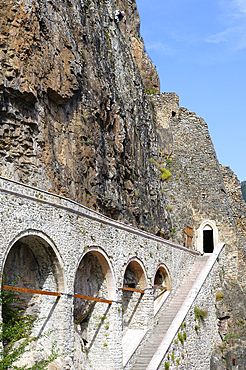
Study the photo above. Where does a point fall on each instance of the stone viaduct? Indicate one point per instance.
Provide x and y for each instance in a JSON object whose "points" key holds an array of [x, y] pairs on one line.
{"points": [[49, 242]]}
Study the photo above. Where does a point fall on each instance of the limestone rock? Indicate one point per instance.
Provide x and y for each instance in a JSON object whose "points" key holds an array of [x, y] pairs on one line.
{"points": [[75, 116]]}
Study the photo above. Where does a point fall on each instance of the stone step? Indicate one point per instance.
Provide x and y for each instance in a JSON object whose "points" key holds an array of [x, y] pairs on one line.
{"points": [[168, 316]]}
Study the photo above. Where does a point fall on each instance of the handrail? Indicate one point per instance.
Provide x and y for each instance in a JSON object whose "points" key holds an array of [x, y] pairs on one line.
{"points": [[89, 298], [133, 289], [30, 290], [56, 294], [159, 287]]}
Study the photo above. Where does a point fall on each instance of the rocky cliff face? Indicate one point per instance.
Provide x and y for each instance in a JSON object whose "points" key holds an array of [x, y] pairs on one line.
{"points": [[76, 119], [243, 188], [237, 203], [75, 115]]}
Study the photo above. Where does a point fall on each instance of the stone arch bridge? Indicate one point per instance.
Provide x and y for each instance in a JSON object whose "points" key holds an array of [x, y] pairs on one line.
{"points": [[51, 243]]}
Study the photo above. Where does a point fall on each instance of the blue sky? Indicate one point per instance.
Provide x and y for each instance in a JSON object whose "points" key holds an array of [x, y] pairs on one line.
{"points": [[199, 49]]}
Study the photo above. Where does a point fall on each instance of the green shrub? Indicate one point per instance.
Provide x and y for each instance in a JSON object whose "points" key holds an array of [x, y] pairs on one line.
{"points": [[180, 336], [240, 322], [15, 334], [232, 336], [200, 314], [151, 91], [166, 174], [167, 365], [183, 325], [173, 231]]}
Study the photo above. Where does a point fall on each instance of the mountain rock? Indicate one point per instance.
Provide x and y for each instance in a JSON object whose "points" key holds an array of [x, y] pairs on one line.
{"points": [[75, 114]]}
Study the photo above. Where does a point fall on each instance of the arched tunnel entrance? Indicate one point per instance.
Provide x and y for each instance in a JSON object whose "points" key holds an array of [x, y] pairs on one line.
{"points": [[32, 263], [93, 321]]}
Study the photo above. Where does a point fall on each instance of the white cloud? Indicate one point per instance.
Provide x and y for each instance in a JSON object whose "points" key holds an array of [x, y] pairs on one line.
{"points": [[240, 5], [233, 24], [221, 36]]}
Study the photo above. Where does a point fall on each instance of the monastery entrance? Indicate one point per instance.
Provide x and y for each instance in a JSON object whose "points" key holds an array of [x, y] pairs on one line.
{"points": [[208, 239]]}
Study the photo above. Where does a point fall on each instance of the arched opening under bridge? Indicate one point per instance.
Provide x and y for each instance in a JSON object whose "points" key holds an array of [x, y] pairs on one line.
{"points": [[32, 262], [133, 301], [93, 320], [162, 286]]}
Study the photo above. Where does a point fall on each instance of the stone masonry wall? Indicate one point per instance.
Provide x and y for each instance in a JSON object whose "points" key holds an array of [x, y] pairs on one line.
{"points": [[70, 231], [163, 110]]}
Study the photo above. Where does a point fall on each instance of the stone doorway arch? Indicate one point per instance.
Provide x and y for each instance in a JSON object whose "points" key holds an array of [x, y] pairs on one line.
{"points": [[207, 237]]}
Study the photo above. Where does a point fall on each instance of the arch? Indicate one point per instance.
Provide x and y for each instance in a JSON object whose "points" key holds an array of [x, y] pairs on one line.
{"points": [[32, 259], [49, 244], [166, 277], [134, 304], [137, 265], [207, 237], [162, 278], [94, 277], [106, 269]]}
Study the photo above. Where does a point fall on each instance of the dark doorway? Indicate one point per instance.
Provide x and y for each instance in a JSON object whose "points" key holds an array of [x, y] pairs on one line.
{"points": [[208, 241]]}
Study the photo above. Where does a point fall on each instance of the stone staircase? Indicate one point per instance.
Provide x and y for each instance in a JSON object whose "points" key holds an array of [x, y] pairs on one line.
{"points": [[165, 321]]}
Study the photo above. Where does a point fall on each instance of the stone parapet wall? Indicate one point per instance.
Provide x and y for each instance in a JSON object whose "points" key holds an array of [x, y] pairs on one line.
{"points": [[201, 336], [29, 192]]}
